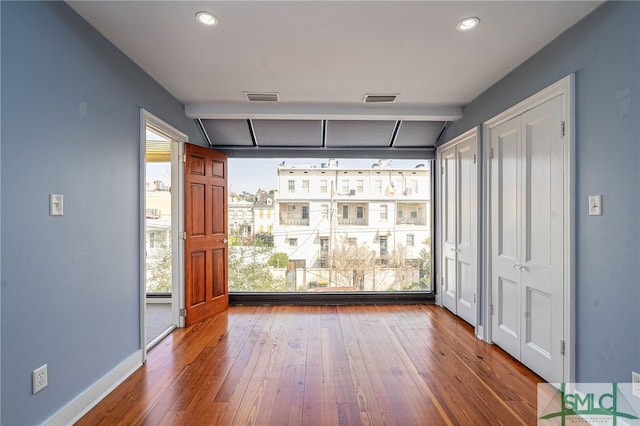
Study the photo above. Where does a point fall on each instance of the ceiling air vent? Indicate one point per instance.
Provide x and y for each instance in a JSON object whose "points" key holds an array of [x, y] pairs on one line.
{"points": [[372, 98], [262, 96]]}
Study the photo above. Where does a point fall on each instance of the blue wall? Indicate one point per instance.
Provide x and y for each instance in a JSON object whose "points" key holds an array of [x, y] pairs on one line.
{"points": [[604, 52], [70, 287]]}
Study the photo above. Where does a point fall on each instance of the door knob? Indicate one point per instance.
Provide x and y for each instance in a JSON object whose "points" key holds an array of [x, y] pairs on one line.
{"points": [[225, 241]]}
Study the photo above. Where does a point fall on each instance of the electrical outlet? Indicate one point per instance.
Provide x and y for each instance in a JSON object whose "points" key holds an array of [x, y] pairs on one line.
{"points": [[635, 383], [39, 377]]}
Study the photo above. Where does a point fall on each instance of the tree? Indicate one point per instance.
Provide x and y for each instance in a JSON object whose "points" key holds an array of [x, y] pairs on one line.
{"points": [[263, 240], [159, 268], [248, 270], [278, 260], [352, 262]]}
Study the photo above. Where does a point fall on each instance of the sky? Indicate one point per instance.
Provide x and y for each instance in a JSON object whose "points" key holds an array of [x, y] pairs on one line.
{"points": [[251, 174]]}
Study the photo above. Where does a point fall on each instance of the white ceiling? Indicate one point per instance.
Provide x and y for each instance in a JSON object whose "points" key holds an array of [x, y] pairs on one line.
{"points": [[322, 57]]}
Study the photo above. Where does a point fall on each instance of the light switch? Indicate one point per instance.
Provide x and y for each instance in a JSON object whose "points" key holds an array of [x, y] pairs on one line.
{"points": [[55, 204], [595, 205]]}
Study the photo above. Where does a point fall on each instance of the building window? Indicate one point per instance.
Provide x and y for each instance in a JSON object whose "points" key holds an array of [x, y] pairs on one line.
{"points": [[360, 186], [261, 229], [413, 213], [261, 214], [324, 210], [383, 247], [292, 186], [400, 213], [409, 240], [305, 185], [384, 212], [323, 185], [359, 212], [345, 212], [305, 212], [378, 185], [293, 242], [152, 239], [268, 214], [345, 186], [414, 186]]}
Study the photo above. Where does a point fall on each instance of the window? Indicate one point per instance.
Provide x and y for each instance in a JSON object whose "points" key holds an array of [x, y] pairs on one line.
{"points": [[409, 240], [342, 222], [414, 185], [384, 212], [383, 246], [152, 240], [378, 185]]}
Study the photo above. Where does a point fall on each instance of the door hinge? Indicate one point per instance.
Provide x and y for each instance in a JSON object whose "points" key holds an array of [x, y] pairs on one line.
{"points": [[561, 347], [491, 309], [562, 128], [490, 153], [183, 235], [183, 312], [184, 158], [474, 158]]}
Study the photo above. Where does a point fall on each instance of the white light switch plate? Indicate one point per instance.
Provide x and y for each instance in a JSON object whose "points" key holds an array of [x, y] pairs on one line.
{"points": [[56, 204], [595, 205]]}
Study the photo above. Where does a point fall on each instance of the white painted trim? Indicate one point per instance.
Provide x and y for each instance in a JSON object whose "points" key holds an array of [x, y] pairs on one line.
{"points": [[177, 299], [80, 405], [565, 88], [277, 111]]}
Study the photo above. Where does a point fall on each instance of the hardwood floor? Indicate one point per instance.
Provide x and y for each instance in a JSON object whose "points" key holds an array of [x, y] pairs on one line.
{"points": [[324, 365]]}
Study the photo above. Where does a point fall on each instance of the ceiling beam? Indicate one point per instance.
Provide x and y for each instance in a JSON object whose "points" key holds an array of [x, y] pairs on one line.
{"points": [[323, 112]]}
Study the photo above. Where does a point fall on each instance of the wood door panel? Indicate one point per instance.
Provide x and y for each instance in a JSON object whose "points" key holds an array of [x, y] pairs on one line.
{"points": [[197, 209], [206, 233], [219, 261], [218, 224], [198, 281]]}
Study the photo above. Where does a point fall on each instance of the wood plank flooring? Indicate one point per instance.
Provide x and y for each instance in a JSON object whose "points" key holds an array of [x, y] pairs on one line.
{"points": [[324, 365]]}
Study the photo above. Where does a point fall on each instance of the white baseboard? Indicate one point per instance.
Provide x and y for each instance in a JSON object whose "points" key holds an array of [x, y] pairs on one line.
{"points": [[88, 399]]}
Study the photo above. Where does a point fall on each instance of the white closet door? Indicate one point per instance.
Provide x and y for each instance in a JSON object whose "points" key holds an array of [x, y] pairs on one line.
{"points": [[467, 229], [527, 233], [542, 259], [448, 215], [505, 243]]}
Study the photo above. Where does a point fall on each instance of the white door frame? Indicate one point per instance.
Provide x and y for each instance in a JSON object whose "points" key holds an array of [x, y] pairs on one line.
{"points": [[477, 133], [566, 89], [177, 219]]}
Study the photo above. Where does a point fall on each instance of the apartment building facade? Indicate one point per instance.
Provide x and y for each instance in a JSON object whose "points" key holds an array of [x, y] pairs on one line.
{"points": [[381, 211]]}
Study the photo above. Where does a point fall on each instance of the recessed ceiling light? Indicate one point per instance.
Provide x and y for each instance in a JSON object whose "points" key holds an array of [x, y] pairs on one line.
{"points": [[207, 18], [468, 24]]}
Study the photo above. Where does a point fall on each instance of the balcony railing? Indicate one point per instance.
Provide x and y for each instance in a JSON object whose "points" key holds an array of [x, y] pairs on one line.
{"points": [[410, 221], [359, 222], [294, 221]]}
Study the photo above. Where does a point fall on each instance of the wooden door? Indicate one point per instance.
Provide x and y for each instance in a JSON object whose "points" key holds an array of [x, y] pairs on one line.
{"points": [[448, 226], [206, 251]]}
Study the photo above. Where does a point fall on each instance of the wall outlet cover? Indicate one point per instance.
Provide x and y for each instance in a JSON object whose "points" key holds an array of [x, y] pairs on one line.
{"points": [[39, 377]]}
